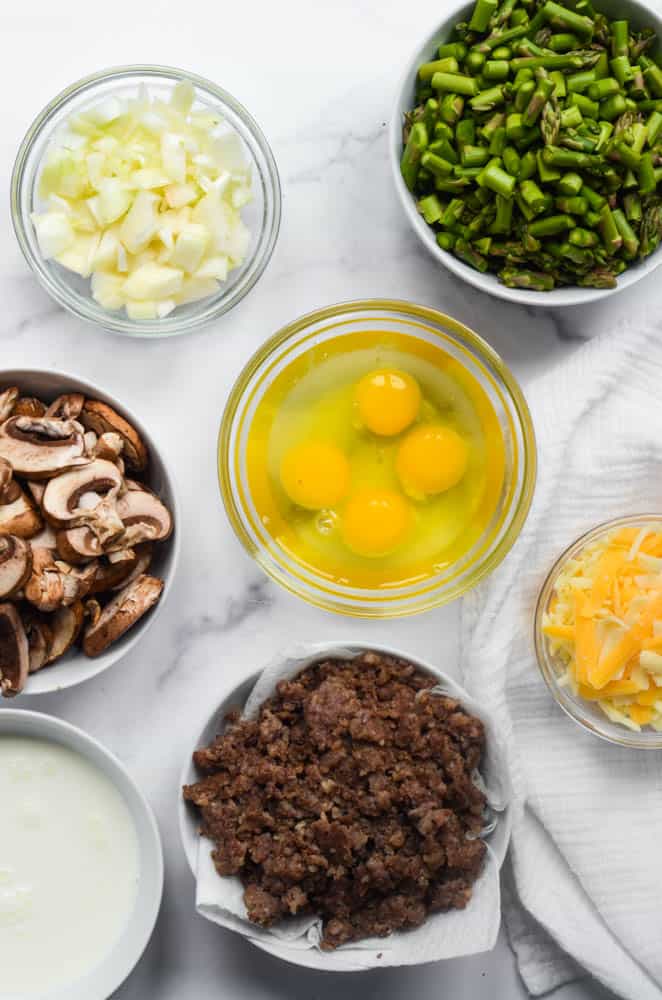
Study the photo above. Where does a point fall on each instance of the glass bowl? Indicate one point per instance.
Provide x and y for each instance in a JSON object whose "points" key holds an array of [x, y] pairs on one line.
{"points": [[584, 713], [477, 357], [262, 215]]}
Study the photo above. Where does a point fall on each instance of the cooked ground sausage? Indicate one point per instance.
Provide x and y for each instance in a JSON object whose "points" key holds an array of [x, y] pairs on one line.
{"points": [[350, 796]]}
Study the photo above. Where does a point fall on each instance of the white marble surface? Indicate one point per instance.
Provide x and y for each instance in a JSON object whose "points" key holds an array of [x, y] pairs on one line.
{"points": [[320, 79]]}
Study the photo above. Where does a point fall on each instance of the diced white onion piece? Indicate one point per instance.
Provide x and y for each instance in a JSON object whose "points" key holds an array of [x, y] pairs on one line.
{"points": [[183, 96], [79, 256], [214, 267], [141, 309], [107, 290], [178, 195], [108, 110], [106, 253], [190, 247], [228, 152], [173, 155], [122, 259], [194, 289], [153, 281], [149, 177], [95, 167], [141, 223], [113, 200], [54, 233]]}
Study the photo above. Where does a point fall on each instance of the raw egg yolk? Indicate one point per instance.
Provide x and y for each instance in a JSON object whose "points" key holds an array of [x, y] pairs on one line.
{"points": [[388, 401], [315, 474], [431, 459], [375, 522]]}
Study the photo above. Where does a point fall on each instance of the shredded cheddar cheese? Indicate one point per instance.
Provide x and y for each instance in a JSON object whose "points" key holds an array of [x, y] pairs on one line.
{"points": [[604, 624]]}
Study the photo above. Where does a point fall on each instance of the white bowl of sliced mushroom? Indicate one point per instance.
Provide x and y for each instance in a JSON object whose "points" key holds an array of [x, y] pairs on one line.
{"points": [[87, 541]]}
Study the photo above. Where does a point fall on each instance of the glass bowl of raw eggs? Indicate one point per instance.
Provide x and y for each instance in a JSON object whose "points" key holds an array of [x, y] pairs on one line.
{"points": [[377, 458]]}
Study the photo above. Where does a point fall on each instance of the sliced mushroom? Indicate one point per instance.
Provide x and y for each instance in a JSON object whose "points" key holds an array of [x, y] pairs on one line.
{"points": [[145, 517], [92, 610], [18, 515], [6, 476], [67, 407], [109, 446], [66, 625], [112, 576], [50, 586], [15, 564], [44, 539], [84, 576], [40, 637], [8, 401], [36, 490], [142, 561], [14, 653], [78, 545], [122, 613], [28, 406], [70, 499], [90, 443], [39, 447], [101, 418]]}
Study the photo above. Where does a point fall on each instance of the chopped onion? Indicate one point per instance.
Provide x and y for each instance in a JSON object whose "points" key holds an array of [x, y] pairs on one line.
{"points": [[145, 195]]}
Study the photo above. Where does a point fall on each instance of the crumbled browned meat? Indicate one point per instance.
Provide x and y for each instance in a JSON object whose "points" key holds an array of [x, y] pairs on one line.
{"points": [[350, 796]]}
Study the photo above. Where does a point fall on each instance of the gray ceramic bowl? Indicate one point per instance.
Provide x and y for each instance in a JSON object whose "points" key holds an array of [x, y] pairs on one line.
{"points": [[75, 667], [640, 16]]}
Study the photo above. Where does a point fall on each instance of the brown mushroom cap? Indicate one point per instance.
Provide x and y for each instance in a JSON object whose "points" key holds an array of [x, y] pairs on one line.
{"points": [[29, 406], [18, 515], [15, 564], [65, 501], [102, 419], [14, 652], [41, 447], [122, 613]]}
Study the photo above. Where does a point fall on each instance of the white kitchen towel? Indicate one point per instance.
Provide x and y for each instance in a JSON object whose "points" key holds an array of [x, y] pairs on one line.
{"points": [[444, 935], [587, 827]]}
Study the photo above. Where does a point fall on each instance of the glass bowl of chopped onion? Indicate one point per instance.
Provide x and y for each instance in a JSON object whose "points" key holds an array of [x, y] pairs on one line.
{"points": [[598, 631], [146, 200]]}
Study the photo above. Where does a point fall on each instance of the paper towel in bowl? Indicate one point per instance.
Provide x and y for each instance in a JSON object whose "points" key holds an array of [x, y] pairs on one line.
{"points": [[443, 935]]}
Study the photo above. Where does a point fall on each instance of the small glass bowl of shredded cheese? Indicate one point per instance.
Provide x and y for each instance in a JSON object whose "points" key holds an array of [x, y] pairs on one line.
{"points": [[598, 631], [146, 200]]}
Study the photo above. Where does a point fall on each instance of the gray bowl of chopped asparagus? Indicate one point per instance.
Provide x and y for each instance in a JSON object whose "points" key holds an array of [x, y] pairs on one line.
{"points": [[527, 146]]}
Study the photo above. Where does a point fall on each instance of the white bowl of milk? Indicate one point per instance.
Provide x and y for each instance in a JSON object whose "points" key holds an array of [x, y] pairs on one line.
{"points": [[81, 863]]}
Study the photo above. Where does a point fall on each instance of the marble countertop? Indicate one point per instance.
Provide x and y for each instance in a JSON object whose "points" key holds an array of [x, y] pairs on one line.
{"points": [[320, 79]]}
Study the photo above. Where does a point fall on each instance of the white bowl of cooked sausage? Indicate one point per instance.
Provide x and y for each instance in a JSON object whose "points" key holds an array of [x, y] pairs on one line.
{"points": [[88, 531]]}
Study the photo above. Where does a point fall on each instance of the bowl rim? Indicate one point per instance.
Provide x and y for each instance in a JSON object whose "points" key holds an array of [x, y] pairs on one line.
{"points": [[98, 665], [116, 322], [567, 295], [619, 736], [313, 651], [50, 728], [431, 598]]}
